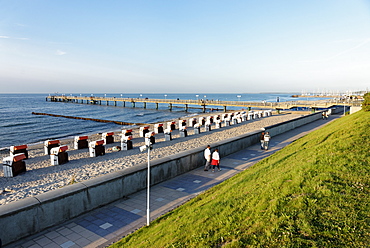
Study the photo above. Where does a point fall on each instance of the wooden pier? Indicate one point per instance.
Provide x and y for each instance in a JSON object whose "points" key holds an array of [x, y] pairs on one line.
{"points": [[203, 104]]}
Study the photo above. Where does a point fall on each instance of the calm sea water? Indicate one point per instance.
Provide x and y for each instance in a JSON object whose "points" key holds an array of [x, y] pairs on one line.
{"points": [[18, 126]]}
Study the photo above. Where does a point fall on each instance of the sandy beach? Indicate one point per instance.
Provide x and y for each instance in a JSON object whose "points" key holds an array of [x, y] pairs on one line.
{"points": [[42, 177]]}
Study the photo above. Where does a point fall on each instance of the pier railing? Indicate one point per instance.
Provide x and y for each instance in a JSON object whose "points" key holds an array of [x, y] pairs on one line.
{"points": [[327, 103]]}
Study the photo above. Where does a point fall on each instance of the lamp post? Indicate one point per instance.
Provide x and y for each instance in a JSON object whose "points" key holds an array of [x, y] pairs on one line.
{"points": [[165, 96], [344, 107], [238, 96], [197, 97], [142, 149]]}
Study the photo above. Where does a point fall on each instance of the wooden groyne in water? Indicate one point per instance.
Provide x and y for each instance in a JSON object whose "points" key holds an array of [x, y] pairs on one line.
{"points": [[91, 119]]}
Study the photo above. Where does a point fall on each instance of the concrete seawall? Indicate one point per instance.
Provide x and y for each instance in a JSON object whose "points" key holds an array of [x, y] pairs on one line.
{"points": [[34, 214]]}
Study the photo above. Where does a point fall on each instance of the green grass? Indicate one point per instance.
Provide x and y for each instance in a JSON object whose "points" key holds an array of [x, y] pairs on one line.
{"points": [[313, 193]]}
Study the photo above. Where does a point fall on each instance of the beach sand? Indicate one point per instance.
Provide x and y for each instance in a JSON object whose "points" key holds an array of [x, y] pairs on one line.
{"points": [[42, 177]]}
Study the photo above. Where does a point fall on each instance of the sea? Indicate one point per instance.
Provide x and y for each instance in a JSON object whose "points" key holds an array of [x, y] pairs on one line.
{"points": [[18, 126]]}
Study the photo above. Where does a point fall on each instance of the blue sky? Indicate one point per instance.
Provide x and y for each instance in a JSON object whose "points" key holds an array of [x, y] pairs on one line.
{"points": [[173, 46]]}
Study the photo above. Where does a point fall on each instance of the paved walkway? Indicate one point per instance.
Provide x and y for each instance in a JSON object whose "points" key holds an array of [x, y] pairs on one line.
{"points": [[106, 225]]}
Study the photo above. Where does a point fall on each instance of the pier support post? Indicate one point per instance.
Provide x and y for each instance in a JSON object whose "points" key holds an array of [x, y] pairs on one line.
{"points": [[156, 105], [133, 104], [170, 106], [107, 103], [124, 104], [204, 108], [186, 108], [115, 103], [145, 105], [224, 108]]}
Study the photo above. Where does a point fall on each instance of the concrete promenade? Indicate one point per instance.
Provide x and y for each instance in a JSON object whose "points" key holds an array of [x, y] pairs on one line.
{"points": [[108, 224]]}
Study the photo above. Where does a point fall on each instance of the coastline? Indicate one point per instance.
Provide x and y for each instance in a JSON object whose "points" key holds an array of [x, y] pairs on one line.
{"points": [[4, 151], [42, 177], [30, 129]]}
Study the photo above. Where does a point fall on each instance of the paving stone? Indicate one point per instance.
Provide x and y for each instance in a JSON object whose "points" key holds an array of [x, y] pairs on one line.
{"points": [[67, 244]]}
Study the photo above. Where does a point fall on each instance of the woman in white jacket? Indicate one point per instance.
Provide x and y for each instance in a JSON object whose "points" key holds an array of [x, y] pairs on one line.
{"points": [[215, 160]]}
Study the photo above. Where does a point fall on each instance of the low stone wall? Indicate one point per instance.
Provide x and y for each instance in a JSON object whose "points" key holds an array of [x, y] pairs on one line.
{"points": [[34, 214], [354, 109], [289, 125], [339, 109]]}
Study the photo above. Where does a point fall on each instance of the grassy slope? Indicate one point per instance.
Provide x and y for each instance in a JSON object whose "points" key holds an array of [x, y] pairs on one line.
{"points": [[313, 193]]}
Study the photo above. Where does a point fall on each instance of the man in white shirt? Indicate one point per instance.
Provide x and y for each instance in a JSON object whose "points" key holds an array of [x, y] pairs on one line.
{"points": [[207, 156]]}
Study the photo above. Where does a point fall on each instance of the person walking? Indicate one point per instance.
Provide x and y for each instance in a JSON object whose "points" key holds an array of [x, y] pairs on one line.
{"points": [[266, 140], [262, 139], [215, 160], [207, 156]]}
